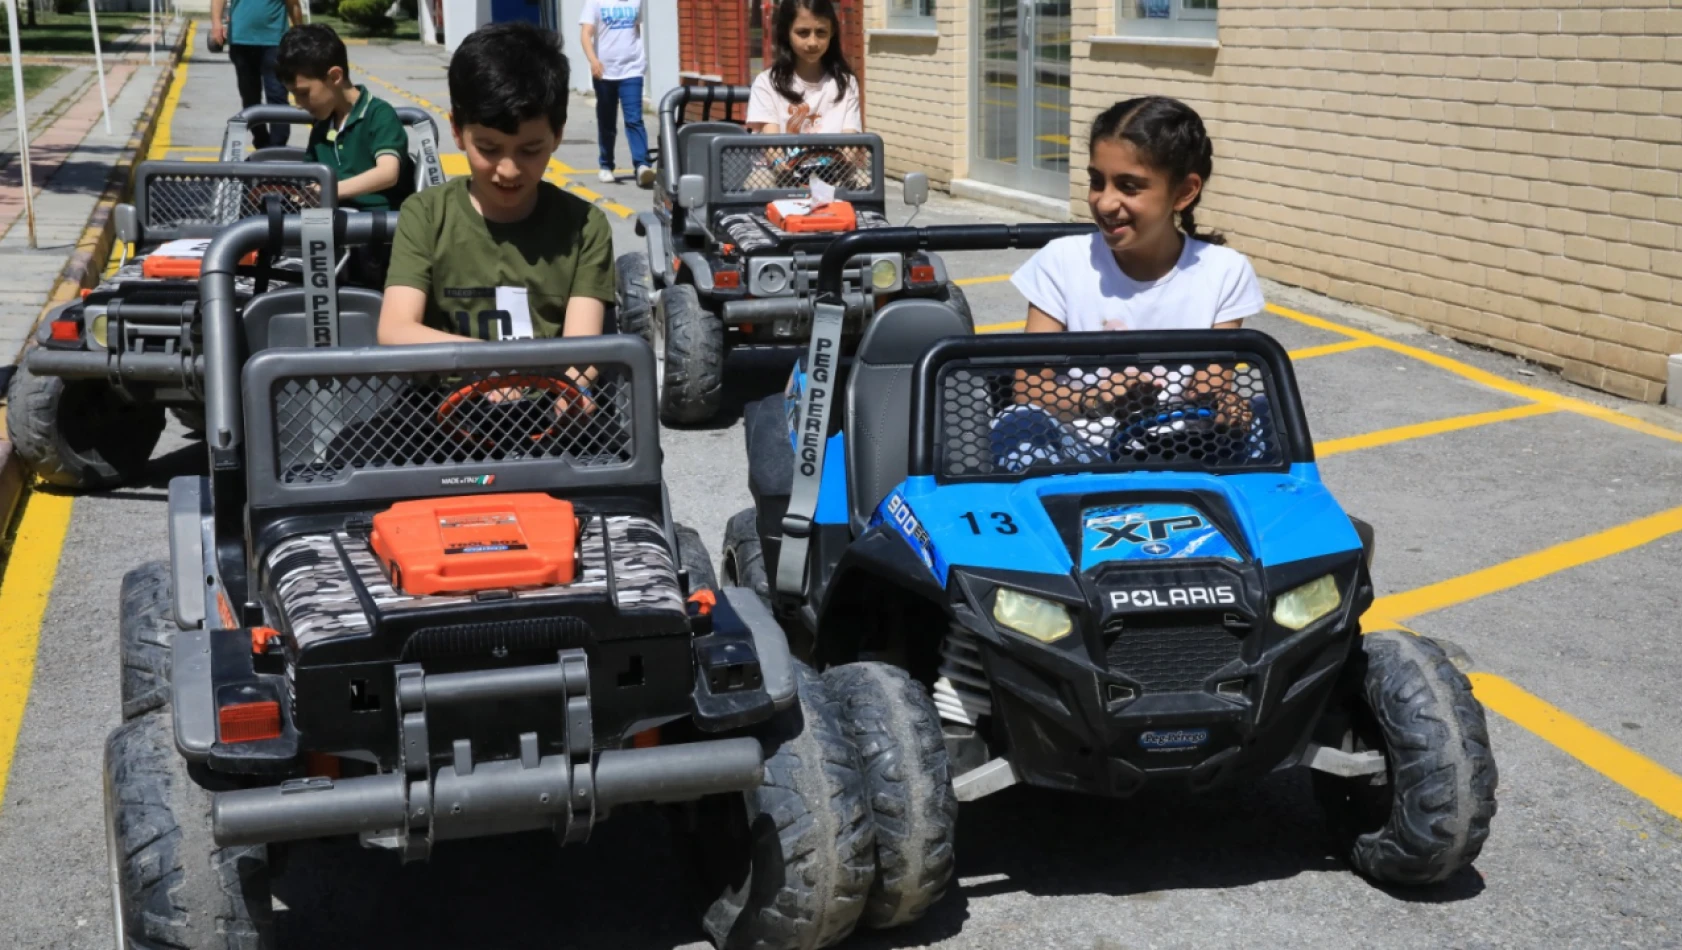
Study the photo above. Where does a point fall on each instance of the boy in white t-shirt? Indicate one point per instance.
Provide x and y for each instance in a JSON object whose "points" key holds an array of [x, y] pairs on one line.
{"points": [[611, 32], [809, 87], [1142, 270]]}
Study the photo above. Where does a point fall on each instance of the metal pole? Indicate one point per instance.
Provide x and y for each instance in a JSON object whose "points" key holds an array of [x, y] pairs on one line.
{"points": [[424, 15], [151, 32], [23, 119], [99, 65]]}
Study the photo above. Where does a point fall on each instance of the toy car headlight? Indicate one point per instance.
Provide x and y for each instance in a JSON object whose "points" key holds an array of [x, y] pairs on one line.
{"points": [[1032, 616], [1302, 606], [96, 332], [884, 273]]}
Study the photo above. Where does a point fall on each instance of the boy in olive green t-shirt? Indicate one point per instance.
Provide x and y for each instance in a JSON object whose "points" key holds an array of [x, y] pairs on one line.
{"points": [[501, 254]]}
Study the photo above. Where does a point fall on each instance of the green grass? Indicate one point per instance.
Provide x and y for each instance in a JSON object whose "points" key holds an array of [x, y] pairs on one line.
{"points": [[35, 78], [67, 33], [404, 29]]}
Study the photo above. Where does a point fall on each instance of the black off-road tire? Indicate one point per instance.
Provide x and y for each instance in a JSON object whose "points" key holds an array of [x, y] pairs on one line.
{"points": [[634, 286], [79, 433], [1428, 816], [146, 629], [693, 557], [953, 296], [788, 865], [173, 887], [692, 338], [744, 555], [892, 722]]}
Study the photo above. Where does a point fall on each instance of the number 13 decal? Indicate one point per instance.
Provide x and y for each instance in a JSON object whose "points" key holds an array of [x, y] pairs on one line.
{"points": [[1002, 523]]}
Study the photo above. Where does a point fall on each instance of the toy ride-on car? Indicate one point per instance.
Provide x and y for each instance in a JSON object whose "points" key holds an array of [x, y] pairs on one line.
{"points": [[435, 592], [734, 239], [1110, 559]]}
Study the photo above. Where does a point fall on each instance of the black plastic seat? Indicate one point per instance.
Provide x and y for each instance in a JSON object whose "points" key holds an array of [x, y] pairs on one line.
{"points": [[277, 319]]}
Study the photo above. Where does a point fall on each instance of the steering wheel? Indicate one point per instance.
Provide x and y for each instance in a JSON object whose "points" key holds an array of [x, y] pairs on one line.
{"points": [[293, 197], [500, 408], [828, 163]]}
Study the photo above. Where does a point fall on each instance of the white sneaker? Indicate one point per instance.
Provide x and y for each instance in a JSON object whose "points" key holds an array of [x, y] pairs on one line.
{"points": [[605, 176], [645, 176]]}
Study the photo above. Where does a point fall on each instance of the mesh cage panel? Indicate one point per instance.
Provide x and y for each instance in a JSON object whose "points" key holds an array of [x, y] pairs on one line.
{"points": [[745, 169], [187, 200], [329, 427], [993, 419]]}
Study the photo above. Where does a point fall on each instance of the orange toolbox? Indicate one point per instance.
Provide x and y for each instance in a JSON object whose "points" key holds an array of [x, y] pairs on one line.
{"points": [[792, 216], [180, 259], [488, 542]]}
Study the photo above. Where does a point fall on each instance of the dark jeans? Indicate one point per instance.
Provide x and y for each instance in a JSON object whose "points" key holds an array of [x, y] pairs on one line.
{"points": [[254, 70], [611, 95]]}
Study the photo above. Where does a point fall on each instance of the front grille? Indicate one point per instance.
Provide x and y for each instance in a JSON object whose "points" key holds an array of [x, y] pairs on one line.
{"points": [[1174, 654]]}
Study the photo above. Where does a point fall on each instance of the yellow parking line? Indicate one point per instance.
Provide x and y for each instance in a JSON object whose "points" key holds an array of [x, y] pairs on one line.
{"points": [[1485, 378], [1583, 742], [558, 172], [990, 279], [24, 590], [1328, 349], [1523, 570], [1001, 327], [1422, 429]]}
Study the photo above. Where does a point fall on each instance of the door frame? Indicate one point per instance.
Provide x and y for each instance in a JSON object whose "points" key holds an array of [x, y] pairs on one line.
{"points": [[1021, 176]]}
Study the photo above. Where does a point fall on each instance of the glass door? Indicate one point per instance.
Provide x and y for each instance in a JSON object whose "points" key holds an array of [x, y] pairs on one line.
{"points": [[1021, 137]]}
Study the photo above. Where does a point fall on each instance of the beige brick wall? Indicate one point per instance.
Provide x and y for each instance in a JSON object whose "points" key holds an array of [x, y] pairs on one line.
{"points": [[917, 93], [1507, 174]]}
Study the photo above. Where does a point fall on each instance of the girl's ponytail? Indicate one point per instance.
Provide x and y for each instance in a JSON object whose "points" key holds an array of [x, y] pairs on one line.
{"points": [[1170, 136]]}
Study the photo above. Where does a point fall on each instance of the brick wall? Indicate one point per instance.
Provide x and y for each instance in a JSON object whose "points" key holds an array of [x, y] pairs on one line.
{"points": [[1508, 174], [918, 87]]}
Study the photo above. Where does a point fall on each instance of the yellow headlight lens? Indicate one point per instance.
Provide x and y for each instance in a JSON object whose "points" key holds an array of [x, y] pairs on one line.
{"points": [[884, 274], [97, 333], [1298, 608], [1036, 617]]}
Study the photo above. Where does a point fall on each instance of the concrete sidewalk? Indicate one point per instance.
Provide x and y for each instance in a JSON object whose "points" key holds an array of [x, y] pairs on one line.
{"points": [[79, 172]]}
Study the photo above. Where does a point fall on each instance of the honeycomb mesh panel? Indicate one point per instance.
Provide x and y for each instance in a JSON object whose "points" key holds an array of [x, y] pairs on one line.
{"points": [[744, 169], [187, 200], [1173, 655], [328, 427], [999, 419]]}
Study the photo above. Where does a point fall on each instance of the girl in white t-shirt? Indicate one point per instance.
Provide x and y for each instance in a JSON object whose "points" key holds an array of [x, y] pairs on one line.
{"points": [[1146, 268], [809, 87]]}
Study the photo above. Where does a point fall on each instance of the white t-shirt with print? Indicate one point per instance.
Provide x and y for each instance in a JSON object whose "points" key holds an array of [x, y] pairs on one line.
{"points": [[618, 41], [1077, 282], [830, 117]]}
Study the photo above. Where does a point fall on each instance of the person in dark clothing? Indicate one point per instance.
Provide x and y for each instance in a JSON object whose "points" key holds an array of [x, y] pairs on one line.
{"points": [[252, 34]]}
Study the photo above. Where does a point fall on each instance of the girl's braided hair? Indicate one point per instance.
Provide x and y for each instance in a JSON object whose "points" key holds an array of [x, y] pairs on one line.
{"points": [[1169, 136]]}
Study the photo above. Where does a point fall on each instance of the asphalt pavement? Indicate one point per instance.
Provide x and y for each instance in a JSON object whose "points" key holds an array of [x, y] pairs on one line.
{"points": [[1532, 524]]}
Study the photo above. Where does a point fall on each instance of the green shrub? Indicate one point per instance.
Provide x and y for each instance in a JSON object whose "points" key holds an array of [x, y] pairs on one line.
{"points": [[368, 16]]}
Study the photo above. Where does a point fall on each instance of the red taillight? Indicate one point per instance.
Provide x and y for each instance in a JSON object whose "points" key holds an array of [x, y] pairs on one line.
{"points": [[260, 637], [728, 280], [922, 274], [66, 331], [646, 739], [249, 722]]}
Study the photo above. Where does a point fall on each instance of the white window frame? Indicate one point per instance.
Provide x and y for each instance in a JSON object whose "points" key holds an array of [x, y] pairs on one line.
{"points": [[916, 19], [1181, 23]]}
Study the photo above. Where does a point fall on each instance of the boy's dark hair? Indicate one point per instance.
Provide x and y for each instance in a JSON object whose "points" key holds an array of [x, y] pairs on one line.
{"points": [[309, 51], [1170, 137], [508, 73], [782, 63]]}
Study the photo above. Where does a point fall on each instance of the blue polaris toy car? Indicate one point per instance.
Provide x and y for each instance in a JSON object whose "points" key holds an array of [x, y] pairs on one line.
{"points": [[1107, 562]]}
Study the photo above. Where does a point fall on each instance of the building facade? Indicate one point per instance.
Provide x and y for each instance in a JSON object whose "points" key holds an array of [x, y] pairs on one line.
{"points": [[1506, 174]]}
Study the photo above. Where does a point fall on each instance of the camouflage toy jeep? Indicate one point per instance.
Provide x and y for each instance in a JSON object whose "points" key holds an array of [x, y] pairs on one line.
{"points": [[435, 592]]}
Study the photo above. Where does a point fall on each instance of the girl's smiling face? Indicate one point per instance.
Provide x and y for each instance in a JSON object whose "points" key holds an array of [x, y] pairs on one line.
{"points": [[809, 37], [1134, 203]]}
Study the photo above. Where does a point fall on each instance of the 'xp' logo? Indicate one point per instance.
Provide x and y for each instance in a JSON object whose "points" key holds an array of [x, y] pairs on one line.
{"points": [[1149, 533]]}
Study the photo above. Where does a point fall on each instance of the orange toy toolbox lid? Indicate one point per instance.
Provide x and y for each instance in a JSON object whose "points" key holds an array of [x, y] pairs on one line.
{"points": [[486, 542], [183, 258], [835, 216]]}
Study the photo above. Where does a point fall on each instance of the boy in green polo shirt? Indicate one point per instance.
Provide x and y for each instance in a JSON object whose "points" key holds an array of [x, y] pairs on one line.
{"points": [[500, 254], [355, 133]]}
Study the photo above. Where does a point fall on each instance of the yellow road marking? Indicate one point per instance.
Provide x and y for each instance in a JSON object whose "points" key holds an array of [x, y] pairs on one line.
{"points": [[1328, 349], [1001, 327], [1523, 570], [1422, 429], [1485, 378], [24, 590], [172, 99], [1583, 742], [972, 281], [558, 173]]}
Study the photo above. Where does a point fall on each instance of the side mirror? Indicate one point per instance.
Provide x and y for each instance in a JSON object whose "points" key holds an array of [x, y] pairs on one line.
{"points": [[128, 223], [916, 189], [691, 191]]}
